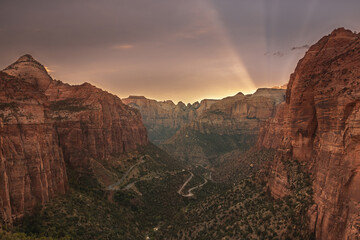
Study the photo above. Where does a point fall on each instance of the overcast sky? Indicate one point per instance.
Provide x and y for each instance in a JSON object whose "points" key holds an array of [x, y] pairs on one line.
{"points": [[170, 49]]}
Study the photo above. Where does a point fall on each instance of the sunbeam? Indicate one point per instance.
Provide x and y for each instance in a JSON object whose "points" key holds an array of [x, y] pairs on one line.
{"points": [[238, 68]]}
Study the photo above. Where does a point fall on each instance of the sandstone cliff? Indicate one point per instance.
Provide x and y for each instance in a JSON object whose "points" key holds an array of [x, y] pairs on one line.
{"points": [[229, 124], [93, 124], [46, 125], [319, 125], [32, 167], [163, 119]]}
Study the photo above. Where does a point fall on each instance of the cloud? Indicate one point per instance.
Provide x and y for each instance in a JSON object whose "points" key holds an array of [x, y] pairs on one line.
{"points": [[281, 54], [124, 46], [276, 54], [300, 47]]}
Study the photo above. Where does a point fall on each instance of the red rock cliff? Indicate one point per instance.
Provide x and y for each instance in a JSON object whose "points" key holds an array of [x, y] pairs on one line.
{"points": [[320, 125], [32, 168], [93, 124], [45, 124]]}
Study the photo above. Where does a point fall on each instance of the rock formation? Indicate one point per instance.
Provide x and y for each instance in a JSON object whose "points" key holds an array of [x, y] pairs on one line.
{"points": [[32, 167], [31, 71], [228, 124], [319, 125], [46, 125], [93, 124], [163, 119]]}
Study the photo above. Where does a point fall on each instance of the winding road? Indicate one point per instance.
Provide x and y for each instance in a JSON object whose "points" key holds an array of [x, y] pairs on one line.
{"points": [[190, 194], [185, 183]]}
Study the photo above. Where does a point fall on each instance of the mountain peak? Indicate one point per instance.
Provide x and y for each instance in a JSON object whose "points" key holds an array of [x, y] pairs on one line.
{"points": [[26, 58], [342, 32], [27, 68]]}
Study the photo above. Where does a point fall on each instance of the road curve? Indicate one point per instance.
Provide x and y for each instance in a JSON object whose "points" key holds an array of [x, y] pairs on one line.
{"points": [[185, 183], [190, 194]]}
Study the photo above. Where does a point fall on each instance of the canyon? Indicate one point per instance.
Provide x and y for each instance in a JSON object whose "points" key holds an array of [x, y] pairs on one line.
{"points": [[273, 164], [201, 132]]}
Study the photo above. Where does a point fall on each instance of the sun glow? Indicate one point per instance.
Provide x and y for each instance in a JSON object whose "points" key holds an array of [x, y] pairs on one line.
{"points": [[48, 69], [126, 46]]}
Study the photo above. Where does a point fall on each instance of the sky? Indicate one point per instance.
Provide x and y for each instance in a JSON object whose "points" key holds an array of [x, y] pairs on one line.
{"points": [[184, 50]]}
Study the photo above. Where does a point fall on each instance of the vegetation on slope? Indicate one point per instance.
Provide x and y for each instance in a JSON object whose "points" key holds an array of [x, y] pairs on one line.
{"points": [[195, 147], [89, 211], [152, 208], [247, 211]]}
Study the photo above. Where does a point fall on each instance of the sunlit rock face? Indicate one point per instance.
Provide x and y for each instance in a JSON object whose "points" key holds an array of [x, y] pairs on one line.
{"points": [[46, 125], [319, 124]]}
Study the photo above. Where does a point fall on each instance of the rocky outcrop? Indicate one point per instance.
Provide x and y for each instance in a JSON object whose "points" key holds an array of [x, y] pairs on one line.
{"points": [[163, 119], [229, 124], [319, 125], [46, 125]]}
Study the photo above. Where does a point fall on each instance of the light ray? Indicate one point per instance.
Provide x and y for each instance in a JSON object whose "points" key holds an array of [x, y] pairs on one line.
{"points": [[238, 69]]}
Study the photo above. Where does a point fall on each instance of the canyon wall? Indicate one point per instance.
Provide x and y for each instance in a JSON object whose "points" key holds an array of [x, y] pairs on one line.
{"points": [[93, 124], [32, 168], [228, 124], [46, 126], [319, 125], [163, 118]]}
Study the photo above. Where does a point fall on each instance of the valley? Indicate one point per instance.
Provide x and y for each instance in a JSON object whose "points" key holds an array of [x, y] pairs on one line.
{"points": [[77, 162]]}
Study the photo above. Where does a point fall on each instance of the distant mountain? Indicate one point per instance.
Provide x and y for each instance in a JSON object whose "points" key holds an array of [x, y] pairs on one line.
{"points": [[163, 118], [232, 123]]}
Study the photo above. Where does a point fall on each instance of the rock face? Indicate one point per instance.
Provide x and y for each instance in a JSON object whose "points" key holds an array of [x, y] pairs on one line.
{"points": [[234, 115], [319, 125], [163, 119], [228, 124], [32, 167], [46, 125], [93, 124]]}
